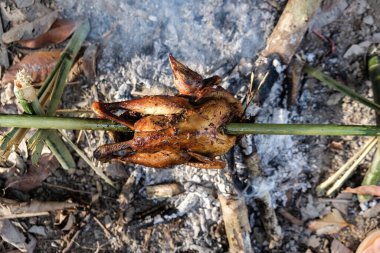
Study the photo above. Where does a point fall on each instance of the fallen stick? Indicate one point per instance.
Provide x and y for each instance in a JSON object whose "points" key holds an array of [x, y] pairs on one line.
{"points": [[236, 222], [282, 45], [163, 190], [290, 29], [10, 209]]}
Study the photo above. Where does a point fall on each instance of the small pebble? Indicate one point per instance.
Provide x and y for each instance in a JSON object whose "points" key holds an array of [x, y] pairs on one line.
{"points": [[196, 179], [38, 230], [368, 20]]}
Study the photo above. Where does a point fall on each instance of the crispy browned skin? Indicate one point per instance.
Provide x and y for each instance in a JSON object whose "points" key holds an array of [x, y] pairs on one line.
{"points": [[175, 129]]}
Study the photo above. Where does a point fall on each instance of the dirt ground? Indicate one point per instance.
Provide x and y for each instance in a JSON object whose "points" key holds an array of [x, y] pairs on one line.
{"points": [[276, 175]]}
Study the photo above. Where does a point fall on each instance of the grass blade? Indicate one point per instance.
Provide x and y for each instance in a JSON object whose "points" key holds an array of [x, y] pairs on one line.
{"points": [[338, 183], [69, 55], [11, 139], [327, 80], [333, 178], [59, 149], [14, 136], [372, 176], [97, 170]]}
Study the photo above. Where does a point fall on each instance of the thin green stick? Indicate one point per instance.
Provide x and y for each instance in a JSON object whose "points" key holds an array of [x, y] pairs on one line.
{"points": [[70, 51], [70, 123], [300, 129], [327, 80]]}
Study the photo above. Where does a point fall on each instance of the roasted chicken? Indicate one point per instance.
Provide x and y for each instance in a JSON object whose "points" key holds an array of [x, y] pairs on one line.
{"points": [[171, 130]]}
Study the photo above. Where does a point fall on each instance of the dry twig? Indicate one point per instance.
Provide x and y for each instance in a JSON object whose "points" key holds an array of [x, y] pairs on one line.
{"points": [[236, 222]]}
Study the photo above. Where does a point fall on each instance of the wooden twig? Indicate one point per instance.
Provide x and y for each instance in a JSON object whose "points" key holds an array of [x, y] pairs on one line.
{"points": [[236, 222], [10, 209], [71, 242], [290, 29], [163, 190], [294, 220]]}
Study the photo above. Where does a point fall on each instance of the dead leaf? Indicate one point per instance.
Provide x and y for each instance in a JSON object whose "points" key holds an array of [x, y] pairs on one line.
{"points": [[59, 32], [38, 64], [371, 244], [64, 220], [60, 217], [338, 247], [36, 174], [341, 202], [85, 65], [330, 224], [128, 191], [11, 14], [336, 145], [30, 30], [12, 235], [69, 223], [23, 3], [89, 61], [10, 209], [38, 230], [373, 190]]}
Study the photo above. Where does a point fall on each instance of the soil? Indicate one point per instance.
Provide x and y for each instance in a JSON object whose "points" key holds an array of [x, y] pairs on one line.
{"points": [[277, 175]]}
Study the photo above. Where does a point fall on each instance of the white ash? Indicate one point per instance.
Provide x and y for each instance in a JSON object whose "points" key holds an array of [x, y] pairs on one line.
{"points": [[283, 164], [328, 15], [212, 38]]}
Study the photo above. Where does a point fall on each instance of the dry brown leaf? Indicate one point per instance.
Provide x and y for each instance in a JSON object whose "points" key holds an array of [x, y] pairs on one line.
{"points": [[23, 3], [12, 235], [330, 224], [38, 64], [59, 32], [10, 209], [64, 220], [11, 14], [36, 174], [128, 191], [70, 223], [89, 61], [373, 190], [30, 30], [371, 244], [338, 247]]}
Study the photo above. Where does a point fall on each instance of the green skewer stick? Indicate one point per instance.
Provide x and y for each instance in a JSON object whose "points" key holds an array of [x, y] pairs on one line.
{"points": [[70, 123]]}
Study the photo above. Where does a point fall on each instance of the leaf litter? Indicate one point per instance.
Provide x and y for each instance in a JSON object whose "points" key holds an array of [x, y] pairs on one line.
{"points": [[122, 75], [58, 32], [35, 175], [30, 30], [39, 64]]}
